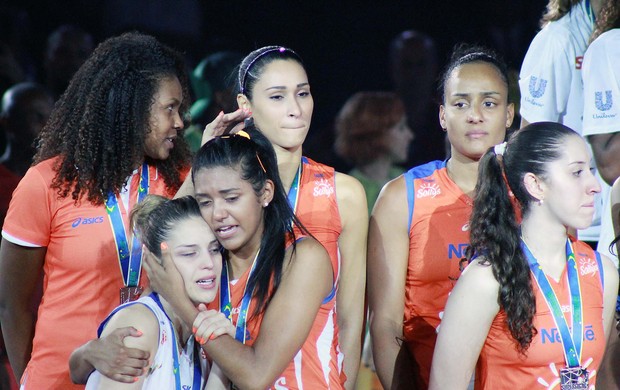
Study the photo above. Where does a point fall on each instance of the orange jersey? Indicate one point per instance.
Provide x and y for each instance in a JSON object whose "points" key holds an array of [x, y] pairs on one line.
{"points": [[82, 273], [500, 365], [438, 235], [316, 364]]}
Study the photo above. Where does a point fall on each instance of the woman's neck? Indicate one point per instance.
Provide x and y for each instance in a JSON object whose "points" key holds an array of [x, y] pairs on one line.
{"points": [[239, 261], [546, 241], [464, 173], [378, 170], [288, 165]]}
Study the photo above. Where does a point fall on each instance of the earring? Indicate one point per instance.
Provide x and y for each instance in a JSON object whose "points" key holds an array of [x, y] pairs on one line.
{"points": [[266, 204], [540, 202]]}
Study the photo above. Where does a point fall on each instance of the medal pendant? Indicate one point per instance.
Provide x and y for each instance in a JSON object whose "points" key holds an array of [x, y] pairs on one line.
{"points": [[574, 378], [130, 293]]}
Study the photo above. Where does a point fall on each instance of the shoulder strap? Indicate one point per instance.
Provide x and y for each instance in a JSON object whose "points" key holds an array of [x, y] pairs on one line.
{"points": [[408, 176], [599, 262]]}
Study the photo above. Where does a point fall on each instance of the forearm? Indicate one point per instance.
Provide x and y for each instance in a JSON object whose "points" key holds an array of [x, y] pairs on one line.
{"points": [[80, 366], [241, 363], [187, 188], [18, 331], [387, 343], [349, 338]]}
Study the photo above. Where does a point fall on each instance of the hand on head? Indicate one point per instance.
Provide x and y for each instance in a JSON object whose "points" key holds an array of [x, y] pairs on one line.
{"points": [[229, 123], [164, 277]]}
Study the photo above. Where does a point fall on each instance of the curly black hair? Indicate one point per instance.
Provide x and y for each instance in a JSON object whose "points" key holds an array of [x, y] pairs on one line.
{"points": [[494, 229], [98, 126]]}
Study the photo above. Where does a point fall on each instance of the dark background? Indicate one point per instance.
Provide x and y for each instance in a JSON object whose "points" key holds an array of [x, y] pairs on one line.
{"points": [[344, 44]]}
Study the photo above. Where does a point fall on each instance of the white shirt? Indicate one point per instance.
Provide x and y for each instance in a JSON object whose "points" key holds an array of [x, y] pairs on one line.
{"points": [[550, 78], [601, 112]]}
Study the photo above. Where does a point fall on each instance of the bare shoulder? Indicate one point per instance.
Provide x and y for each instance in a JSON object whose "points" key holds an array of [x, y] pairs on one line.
{"points": [[307, 249], [393, 193], [478, 277], [140, 317], [348, 188]]}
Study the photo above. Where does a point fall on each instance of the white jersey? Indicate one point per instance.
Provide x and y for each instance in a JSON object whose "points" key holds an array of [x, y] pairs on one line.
{"points": [[601, 112], [550, 77], [161, 373]]}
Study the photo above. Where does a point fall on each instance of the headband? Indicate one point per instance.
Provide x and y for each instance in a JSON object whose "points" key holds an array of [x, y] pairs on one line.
{"points": [[242, 77]]}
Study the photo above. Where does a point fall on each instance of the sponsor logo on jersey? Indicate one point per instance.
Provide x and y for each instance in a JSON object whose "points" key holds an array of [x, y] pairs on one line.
{"points": [[86, 221], [603, 105], [578, 62], [322, 187], [553, 335], [587, 266], [537, 86], [428, 190]]}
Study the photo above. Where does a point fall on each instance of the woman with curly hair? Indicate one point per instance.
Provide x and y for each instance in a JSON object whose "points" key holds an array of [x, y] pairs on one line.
{"points": [[114, 136], [536, 305], [372, 134], [419, 225]]}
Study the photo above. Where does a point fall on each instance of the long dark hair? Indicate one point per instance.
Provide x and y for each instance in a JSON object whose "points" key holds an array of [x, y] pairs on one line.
{"points": [[494, 229], [255, 160], [99, 124]]}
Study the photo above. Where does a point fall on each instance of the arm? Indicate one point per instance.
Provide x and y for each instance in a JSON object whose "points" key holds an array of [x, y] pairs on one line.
{"points": [[306, 280], [472, 305], [217, 380], [223, 123], [110, 356], [352, 246], [606, 148], [20, 268], [388, 255], [139, 317]]}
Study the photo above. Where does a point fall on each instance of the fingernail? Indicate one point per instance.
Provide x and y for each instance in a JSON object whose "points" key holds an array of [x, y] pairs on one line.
{"points": [[212, 337], [194, 329], [139, 333], [136, 379], [221, 113], [163, 246]]}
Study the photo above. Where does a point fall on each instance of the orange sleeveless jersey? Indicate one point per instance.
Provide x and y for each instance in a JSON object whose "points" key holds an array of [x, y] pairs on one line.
{"points": [[500, 365], [315, 366], [438, 235]]}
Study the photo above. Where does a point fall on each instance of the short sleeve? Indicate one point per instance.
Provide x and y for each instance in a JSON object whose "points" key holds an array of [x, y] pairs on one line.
{"points": [[601, 76], [545, 77], [29, 217]]}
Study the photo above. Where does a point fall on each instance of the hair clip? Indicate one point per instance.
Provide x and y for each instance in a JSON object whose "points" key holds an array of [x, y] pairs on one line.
{"points": [[500, 149]]}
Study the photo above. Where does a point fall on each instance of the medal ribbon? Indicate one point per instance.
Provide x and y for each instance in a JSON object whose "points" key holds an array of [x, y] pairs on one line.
{"points": [[293, 192], [176, 367], [130, 260], [571, 343], [226, 302]]}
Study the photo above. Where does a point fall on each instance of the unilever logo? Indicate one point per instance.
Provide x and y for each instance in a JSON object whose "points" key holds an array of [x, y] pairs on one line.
{"points": [[537, 87], [537, 90], [598, 101]]}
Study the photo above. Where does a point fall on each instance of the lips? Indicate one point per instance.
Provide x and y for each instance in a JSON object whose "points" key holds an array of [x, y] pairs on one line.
{"points": [[207, 283], [476, 134], [225, 232]]}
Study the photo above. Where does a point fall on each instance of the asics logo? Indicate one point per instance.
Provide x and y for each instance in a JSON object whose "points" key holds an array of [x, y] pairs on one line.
{"points": [[86, 221]]}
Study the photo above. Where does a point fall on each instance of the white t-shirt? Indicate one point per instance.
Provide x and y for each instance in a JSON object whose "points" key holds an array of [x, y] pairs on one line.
{"points": [[601, 112], [550, 78]]}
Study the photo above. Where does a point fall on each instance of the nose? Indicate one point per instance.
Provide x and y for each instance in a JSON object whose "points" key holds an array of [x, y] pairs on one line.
{"points": [[294, 108], [208, 261], [219, 211], [595, 185], [178, 121], [474, 115]]}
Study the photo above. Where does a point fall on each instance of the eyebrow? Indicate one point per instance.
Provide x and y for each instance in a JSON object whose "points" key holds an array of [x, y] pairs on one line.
{"points": [[224, 191], [463, 94], [281, 87]]}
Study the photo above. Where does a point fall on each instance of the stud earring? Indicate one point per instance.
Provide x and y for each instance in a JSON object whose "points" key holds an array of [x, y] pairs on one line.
{"points": [[266, 204]]}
